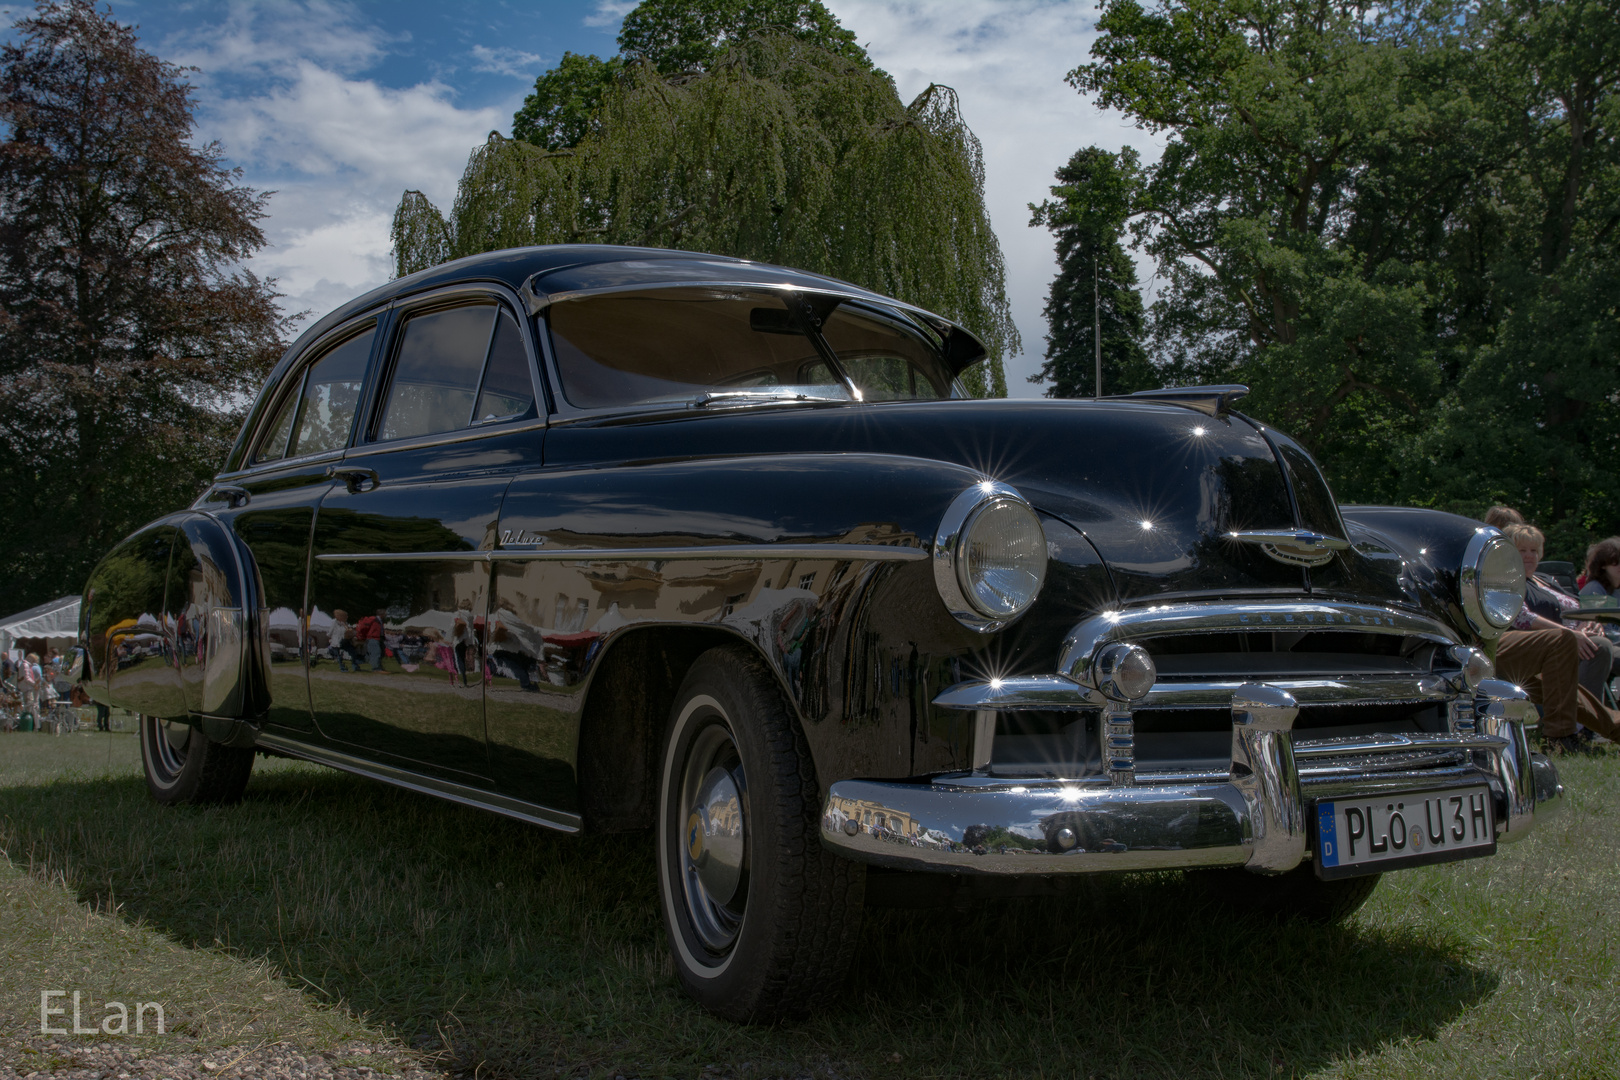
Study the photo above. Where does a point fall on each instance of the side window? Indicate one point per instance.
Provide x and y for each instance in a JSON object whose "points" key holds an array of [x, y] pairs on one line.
{"points": [[331, 394], [441, 355]]}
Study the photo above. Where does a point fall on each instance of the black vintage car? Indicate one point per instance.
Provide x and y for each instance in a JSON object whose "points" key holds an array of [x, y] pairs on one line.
{"points": [[606, 538]]}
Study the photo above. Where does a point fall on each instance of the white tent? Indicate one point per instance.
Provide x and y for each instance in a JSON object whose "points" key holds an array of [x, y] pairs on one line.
{"points": [[57, 621]]}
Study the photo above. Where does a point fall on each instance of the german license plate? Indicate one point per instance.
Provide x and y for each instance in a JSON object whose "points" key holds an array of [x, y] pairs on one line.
{"points": [[1372, 834]]}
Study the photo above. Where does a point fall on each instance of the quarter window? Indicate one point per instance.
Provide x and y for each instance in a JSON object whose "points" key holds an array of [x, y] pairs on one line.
{"points": [[331, 393], [508, 392], [457, 366]]}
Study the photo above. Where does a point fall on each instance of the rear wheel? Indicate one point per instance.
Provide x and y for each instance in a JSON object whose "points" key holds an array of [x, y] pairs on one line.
{"points": [[1298, 894], [184, 766], [762, 922]]}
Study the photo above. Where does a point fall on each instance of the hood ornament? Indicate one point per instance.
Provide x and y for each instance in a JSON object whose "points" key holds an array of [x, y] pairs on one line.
{"points": [[1293, 547]]}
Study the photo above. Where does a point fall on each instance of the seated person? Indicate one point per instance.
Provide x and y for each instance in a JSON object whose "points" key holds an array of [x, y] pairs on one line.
{"points": [[1544, 656], [1603, 580], [1501, 517], [1603, 568]]}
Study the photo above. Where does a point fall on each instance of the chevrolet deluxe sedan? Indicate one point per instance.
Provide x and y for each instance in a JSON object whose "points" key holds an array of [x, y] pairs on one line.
{"points": [[607, 539]]}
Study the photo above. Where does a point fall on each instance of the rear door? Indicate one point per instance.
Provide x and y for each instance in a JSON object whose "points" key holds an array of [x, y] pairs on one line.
{"points": [[400, 576]]}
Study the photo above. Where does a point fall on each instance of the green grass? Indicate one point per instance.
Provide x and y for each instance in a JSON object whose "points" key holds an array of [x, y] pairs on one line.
{"points": [[326, 906]]}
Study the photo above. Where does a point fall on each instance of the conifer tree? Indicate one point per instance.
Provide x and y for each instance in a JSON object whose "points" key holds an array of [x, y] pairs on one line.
{"points": [[1096, 277]]}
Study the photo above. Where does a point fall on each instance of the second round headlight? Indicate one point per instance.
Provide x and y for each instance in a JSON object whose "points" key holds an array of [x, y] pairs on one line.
{"points": [[1491, 580]]}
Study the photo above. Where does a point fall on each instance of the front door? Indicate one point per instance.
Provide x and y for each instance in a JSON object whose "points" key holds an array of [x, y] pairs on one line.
{"points": [[399, 583]]}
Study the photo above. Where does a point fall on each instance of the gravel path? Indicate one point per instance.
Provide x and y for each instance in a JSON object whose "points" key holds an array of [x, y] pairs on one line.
{"points": [[121, 1059]]}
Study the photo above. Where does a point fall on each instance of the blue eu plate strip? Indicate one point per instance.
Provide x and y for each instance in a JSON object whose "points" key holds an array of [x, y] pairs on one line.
{"points": [[1327, 835]]}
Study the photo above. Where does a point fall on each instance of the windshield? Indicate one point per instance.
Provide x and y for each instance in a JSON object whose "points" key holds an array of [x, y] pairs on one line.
{"points": [[689, 344]]}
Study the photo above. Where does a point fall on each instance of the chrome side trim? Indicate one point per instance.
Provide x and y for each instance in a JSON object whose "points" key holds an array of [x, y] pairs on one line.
{"points": [[850, 552], [1164, 620], [532, 813]]}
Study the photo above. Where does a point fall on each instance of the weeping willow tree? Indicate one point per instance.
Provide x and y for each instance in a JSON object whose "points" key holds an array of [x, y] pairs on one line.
{"points": [[782, 151]]}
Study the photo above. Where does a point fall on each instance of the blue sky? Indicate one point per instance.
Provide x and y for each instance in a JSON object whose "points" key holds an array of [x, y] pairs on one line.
{"points": [[339, 106]]}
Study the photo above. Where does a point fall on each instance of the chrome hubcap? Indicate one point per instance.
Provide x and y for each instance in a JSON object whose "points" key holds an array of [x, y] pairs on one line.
{"points": [[713, 844], [171, 738]]}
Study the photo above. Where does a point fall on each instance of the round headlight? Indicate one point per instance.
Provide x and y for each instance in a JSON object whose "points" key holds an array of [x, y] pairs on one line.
{"points": [[1491, 581], [989, 556]]}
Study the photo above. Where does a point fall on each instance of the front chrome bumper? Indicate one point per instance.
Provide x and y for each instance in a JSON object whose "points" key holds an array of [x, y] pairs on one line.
{"points": [[1256, 814]]}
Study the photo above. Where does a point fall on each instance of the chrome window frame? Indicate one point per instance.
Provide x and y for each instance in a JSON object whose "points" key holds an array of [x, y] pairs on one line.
{"points": [[926, 325]]}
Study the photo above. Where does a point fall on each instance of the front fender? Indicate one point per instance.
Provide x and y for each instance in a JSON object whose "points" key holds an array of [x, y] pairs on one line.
{"points": [[1415, 552]]}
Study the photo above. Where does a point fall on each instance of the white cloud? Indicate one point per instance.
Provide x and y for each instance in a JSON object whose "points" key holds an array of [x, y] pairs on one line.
{"points": [[281, 88], [1006, 59], [267, 36], [505, 61], [610, 13]]}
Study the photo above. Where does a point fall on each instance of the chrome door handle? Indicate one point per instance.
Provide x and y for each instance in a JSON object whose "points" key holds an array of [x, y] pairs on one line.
{"points": [[354, 478], [234, 496]]}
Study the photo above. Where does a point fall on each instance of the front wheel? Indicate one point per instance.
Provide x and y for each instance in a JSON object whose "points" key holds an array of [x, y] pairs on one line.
{"points": [[762, 922], [1298, 894], [184, 766]]}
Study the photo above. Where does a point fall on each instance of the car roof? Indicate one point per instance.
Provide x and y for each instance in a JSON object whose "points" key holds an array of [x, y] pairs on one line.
{"points": [[543, 272], [563, 268]]}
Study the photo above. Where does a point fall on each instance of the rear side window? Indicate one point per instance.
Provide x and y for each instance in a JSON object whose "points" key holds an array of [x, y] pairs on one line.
{"points": [[455, 367], [318, 416]]}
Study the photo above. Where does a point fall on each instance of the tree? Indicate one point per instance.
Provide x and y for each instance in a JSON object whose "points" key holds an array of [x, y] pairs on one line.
{"points": [[1094, 198], [561, 110], [1274, 106], [782, 151], [683, 37], [130, 337], [1397, 223]]}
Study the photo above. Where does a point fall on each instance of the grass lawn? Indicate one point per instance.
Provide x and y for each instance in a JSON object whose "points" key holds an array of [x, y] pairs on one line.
{"points": [[327, 908]]}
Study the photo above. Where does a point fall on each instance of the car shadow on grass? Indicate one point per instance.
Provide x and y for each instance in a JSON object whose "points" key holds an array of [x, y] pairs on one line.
{"points": [[522, 952]]}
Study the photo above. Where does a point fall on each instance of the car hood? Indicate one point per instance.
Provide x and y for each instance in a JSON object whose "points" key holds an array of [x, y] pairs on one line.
{"points": [[1155, 488]]}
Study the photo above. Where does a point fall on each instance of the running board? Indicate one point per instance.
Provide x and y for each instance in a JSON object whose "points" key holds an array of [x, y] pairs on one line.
{"points": [[427, 785]]}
